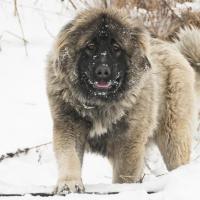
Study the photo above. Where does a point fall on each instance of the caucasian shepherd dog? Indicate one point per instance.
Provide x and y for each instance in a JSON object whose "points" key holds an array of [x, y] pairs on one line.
{"points": [[111, 87]]}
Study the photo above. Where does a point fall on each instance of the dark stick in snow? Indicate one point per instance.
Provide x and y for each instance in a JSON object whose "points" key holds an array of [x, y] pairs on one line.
{"points": [[52, 194], [20, 151]]}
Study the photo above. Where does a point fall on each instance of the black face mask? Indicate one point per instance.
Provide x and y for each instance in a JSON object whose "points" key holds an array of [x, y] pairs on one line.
{"points": [[102, 66]]}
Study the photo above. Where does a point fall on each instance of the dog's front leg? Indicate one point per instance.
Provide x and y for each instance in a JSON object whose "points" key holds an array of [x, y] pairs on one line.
{"points": [[69, 148]]}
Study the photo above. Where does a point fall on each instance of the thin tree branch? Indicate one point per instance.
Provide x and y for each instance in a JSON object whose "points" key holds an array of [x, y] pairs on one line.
{"points": [[16, 13], [73, 5], [17, 36], [15, 7]]}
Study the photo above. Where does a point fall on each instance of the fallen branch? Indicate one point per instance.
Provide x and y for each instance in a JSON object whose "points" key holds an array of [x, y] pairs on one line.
{"points": [[20, 151], [32, 194], [52, 194], [94, 189]]}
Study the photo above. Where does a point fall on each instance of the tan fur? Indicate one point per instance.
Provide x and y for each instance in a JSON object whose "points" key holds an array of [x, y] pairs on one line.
{"points": [[177, 105], [188, 43], [160, 105]]}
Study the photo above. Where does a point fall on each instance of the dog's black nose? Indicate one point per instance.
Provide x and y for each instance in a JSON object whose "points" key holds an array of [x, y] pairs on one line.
{"points": [[102, 71]]}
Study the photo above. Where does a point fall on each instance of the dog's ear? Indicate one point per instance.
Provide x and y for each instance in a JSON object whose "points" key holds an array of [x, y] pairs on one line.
{"points": [[61, 46], [63, 36], [142, 36]]}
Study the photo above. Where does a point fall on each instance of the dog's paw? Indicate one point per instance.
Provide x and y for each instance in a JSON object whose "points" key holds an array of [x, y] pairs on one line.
{"points": [[66, 187]]}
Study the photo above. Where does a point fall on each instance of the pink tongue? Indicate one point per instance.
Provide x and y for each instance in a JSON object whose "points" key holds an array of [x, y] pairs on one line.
{"points": [[103, 85]]}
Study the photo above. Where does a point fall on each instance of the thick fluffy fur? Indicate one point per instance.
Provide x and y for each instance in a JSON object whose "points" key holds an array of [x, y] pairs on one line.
{"points": [[188, 43], [160, 103]]}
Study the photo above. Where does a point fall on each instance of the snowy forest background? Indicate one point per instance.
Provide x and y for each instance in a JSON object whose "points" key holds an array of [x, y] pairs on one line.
{"points": [[27, 164]]}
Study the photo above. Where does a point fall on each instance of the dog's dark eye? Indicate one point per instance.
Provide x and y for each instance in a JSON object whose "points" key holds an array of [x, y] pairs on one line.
{"points": [[116, 47], [91, 46]]}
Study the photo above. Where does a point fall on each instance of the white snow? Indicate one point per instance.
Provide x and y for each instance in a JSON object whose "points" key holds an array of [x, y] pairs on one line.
{"points": [[26, 121], [189, 5]]}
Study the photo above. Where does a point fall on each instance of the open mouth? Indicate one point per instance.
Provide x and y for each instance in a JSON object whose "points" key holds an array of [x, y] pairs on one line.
{"points": [[107, 85], [103, 85]]}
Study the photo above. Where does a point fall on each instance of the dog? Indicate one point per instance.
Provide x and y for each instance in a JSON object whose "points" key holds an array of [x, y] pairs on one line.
{"points": [[112, 88]]}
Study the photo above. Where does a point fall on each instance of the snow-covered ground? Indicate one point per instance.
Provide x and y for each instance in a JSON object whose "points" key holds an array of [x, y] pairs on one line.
{"points": [[26, 122]]}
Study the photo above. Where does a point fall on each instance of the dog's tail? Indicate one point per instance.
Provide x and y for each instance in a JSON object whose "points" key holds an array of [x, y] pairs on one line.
{"points": [[188, 43]]}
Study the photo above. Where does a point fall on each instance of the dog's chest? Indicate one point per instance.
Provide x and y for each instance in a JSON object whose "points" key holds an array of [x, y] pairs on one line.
{"points": [[104, 143], [99, 128], [103, 121]]}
